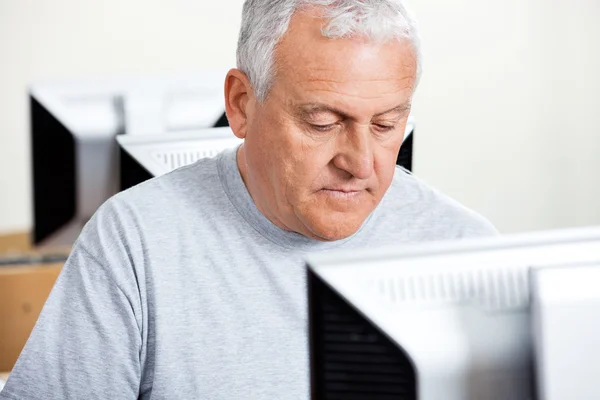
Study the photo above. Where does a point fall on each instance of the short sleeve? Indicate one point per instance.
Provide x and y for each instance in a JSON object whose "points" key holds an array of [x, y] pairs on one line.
{"points": [[86, 343]]}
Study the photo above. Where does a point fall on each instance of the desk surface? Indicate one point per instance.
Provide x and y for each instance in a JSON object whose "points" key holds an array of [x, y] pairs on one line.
{"points": [[4, 375]]}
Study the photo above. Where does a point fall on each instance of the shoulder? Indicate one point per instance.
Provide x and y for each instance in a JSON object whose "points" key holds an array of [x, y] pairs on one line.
{"points": [[432, 214], [154, 209]]}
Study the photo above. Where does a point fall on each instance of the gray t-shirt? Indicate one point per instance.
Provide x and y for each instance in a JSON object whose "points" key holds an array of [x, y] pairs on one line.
{"points": [[181, 289]]}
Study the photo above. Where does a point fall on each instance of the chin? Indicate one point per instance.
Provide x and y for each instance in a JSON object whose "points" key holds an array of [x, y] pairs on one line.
{"points": [[335, 228]]}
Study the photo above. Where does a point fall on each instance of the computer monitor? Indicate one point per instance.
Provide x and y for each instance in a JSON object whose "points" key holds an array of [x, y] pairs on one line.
{"points": [[468, 320], [75, 156], [145, 157]]}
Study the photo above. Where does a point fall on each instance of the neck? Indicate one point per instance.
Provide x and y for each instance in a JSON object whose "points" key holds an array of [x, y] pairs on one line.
{"points": [[243, 167]]}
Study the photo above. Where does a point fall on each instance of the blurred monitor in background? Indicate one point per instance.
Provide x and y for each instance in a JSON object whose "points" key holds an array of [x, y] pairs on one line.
{"points": [[74, 152]]}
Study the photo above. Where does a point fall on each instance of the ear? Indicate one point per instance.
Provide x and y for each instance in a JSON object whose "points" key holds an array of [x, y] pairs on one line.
{"points": [[238, 95]]}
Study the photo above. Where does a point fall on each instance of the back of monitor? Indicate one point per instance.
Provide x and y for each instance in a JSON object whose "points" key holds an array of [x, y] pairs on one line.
{"points": [[565, 314], [462, 312], [158, 155], [74, 152]]}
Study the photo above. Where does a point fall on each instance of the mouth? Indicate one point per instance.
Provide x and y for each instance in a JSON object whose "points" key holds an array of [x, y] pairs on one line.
{"points": [[341, 193]]}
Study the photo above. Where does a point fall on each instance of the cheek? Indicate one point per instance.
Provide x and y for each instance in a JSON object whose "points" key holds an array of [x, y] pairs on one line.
{"points": [[385, 165], [302, 161], [305, 167], [279, 158]]}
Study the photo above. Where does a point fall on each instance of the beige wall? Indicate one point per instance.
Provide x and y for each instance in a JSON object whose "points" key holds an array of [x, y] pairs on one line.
{"points": [[41, 40], [507, 109]]}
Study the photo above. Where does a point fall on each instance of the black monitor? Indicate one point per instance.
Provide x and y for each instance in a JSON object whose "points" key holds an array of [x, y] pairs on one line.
{"points": [[351, 358], [144, 157], [405, 156], [75, 157]]}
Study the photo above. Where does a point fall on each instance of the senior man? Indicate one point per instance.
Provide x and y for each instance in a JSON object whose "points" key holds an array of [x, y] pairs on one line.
{"points": [[192, 285]]}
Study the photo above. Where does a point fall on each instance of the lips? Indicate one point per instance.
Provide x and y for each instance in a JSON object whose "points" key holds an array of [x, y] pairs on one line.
{"points": [[343, 190], [343, 194]]}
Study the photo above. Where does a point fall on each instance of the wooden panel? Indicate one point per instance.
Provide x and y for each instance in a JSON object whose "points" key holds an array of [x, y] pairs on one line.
{"points": [[23, 292], [15, 242]]}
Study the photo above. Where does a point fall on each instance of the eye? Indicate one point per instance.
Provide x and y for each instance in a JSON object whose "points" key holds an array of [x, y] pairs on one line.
{"points": [[323, 128], [384, 128]]}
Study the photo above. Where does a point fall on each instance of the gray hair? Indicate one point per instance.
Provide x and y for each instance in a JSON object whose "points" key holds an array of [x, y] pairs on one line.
{"points": [[264, 22]]}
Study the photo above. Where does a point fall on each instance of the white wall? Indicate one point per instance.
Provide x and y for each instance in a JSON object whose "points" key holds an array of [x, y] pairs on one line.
{"points": [[506, 109], [41, 40]]}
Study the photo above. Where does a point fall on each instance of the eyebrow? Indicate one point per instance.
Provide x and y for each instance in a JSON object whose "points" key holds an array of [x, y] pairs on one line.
{"points": [[313, 108]]}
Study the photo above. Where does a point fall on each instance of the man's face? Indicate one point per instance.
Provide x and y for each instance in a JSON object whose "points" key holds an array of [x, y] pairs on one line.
{"points": [[320, 152]]}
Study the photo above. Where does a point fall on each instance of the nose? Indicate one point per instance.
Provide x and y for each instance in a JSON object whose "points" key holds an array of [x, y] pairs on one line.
{"points": [[355, 153]]}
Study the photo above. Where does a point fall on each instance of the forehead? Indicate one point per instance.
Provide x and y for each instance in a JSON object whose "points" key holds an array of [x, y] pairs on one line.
{"points": [[308, 62]]}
